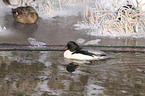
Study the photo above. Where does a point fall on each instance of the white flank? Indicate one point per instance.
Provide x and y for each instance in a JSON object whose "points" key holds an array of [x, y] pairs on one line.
{"points": [[68, 54]]}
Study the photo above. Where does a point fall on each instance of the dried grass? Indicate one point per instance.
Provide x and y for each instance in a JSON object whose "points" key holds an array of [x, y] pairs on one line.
{"points": [[104, 20], [46, 7]]}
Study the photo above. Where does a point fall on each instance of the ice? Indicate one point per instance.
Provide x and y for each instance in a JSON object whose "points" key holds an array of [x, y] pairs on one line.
{"points": [[37, 44], [80, 40], [2, 29], [123, 91], [93, 42], [5, 32], [81, 26]]}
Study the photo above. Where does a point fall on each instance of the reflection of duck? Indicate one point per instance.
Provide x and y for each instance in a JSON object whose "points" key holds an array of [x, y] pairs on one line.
{"points": [[73, 51], [25, 14], [71, 67]]}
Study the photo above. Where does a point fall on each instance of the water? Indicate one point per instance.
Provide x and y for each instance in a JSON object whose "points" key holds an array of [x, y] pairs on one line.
{"points": [[48, 73]]}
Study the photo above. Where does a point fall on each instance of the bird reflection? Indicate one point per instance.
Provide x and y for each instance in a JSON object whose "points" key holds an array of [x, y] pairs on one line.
{"points": [[71, 67]]}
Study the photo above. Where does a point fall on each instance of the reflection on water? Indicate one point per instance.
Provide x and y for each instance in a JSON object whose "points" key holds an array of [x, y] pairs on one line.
{"points": [[48, 73], [71, 67]]}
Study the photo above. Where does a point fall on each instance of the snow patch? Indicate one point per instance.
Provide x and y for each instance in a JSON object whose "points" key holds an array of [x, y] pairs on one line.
{"points": [[37, 44], [93, 42], [80, 40], [2, 29]]}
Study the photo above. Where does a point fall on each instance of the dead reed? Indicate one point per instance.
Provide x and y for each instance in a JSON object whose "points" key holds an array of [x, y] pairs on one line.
{"points": [[106, 21]]}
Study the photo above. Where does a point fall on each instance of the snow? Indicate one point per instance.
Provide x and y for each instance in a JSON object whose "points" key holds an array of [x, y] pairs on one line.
{"points": [[47, 9], [93, 42], [36, 43], [80, 40]]}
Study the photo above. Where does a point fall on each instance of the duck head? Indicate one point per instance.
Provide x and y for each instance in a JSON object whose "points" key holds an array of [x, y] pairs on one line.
{"points": [[72, 46], [25, 14]]}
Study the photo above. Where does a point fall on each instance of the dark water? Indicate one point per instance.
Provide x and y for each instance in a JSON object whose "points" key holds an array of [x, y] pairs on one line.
{"points": [[48, 73]]}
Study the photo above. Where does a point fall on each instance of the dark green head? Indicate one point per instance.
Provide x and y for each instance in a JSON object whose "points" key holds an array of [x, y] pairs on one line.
{"points": [[72, 46]]}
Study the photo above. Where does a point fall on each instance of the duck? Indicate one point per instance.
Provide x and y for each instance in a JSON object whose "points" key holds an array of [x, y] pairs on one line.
{"points": [[25, 14], [74, 51]]}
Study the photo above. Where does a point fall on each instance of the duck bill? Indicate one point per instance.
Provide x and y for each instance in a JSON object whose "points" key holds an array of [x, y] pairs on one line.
{"points": [[65, 48]]}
